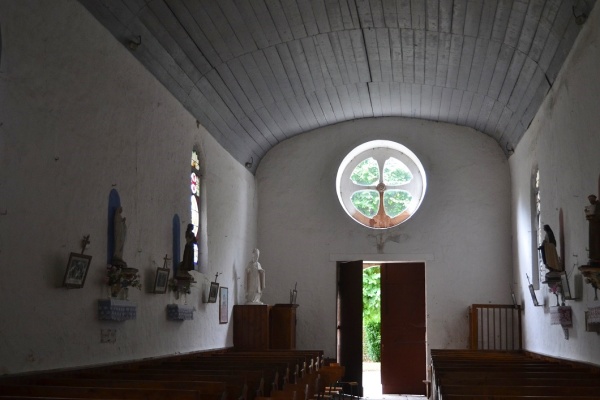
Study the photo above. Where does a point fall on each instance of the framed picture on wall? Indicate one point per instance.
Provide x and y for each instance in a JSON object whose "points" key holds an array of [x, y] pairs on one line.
{"points": [[533, 296], [162, 280], [77, 269], [564, 285], [223, 305]]}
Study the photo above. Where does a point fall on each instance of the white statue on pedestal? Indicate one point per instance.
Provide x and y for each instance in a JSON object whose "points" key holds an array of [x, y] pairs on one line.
{"points": [[255, 280]]}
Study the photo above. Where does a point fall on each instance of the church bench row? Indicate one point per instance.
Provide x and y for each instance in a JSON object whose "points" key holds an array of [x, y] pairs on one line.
{"points": [[472, 374]]}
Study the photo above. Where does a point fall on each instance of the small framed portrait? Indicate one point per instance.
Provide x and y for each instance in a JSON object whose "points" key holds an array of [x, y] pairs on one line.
{"points": [[533, 296], [223, 305], [162, 280], [213, 292], [77, 270]]}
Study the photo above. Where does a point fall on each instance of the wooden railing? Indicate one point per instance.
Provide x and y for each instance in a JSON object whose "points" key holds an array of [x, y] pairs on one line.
{"points": [[495, 327]]}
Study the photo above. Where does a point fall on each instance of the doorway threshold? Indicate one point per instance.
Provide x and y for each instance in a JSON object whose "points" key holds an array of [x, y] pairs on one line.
{"points": [[371, 375]]}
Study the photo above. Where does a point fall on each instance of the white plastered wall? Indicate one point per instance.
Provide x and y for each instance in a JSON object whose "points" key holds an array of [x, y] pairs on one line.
{"points": [[80, 116], [461, 231], [563, 142]]}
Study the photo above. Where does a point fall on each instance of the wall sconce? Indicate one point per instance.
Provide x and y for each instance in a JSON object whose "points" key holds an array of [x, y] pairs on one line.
{"points": [[509, 149], [133, 45], [250, 163], [579, 19]]}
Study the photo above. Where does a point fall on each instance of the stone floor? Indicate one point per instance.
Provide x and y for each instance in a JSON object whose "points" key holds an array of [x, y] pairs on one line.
{"points": [[372, 385]]}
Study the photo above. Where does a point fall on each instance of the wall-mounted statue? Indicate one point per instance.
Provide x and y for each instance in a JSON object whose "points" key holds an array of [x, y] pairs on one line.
{"points": [[548, 250], [120, 236], [255, 280], [592, 214]]}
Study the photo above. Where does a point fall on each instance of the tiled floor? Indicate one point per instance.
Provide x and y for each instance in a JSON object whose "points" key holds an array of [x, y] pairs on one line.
{"points": [[372, 385]]}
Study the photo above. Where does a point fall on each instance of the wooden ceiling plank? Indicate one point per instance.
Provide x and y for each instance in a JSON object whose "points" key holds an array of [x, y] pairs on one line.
{"points": [[350, 14], [365, 99], [390, 14], [436, 103], [418, 17], [320, 13], [431, 55], [135, 5], [459, 13], [473, 17], [385, 62], [479, 57], [396, 54], [279, 19], [476, 106], [491, 56], [316, 108], [274, 127], [262, 128], [165, 28], [539, 40], [246, 10], [290, 68], [338, 59], [445, 104], [335, 102], [465, 107], [386, 100], [116, 16], [375, 99], [255, 133], [294, 107], [355, 100], [532, 20], [441, 70], [377, 14], [256, 78], [370, 37], [395, 102], [404, 14], [310, 52], [488, 13], [268, 76], [501, 20], [419, 54], [515, 22], [432, 12], [221, 88], [307, 110], [456, 44], [564, 46], [445, 15], [279, 71], [349, 59], [239, 26], [500, 70], [502, 124], [285, 118], [492, 120], [525, 78], [325, 104], [233, 86], [294, 18], [265, 21], [529, 92], [406, 98], [426, 99], [455, 104], [484, 113], [512, 75], [335, 15], [345, 101], [536, 100], [225, 29], [308, 17], [360, 56], [466, 61], [301, 65], [408, 55], [242, 78], [204, 22], [327, 58]]}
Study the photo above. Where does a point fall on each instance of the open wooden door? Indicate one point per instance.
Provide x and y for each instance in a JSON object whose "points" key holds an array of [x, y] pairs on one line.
{"points": [[349, 320], [403, 348]]}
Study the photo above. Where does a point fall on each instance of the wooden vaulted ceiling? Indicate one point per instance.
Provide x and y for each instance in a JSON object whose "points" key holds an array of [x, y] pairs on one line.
{"points": [[256, 72]]}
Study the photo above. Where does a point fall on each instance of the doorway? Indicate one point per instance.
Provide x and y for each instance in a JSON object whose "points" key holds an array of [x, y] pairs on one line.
{"points": [[403, 344]]}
